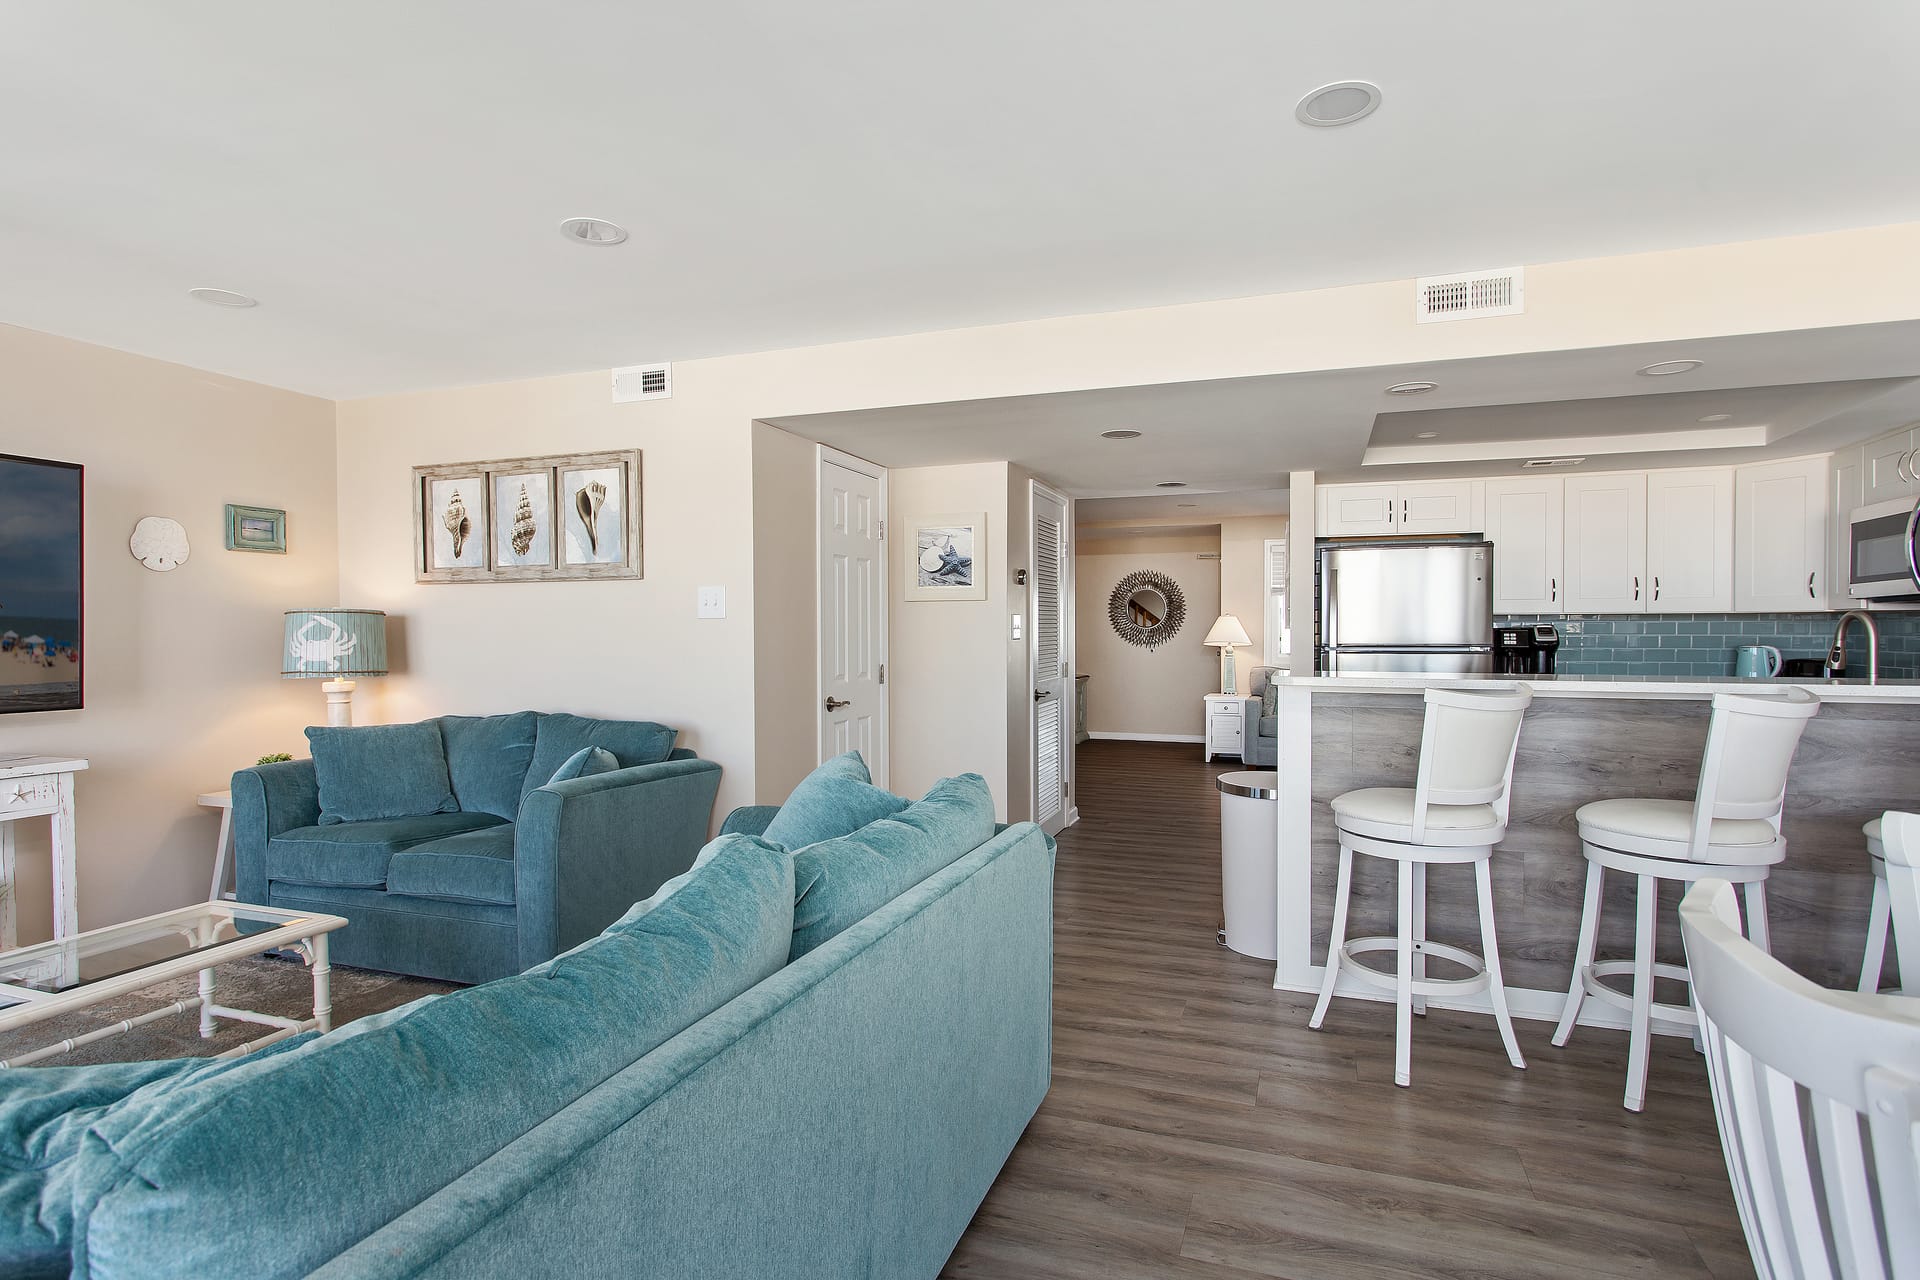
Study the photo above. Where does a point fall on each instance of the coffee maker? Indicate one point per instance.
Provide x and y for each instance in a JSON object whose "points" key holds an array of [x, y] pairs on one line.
{"points": [[1513, 651], [1546, 643]]}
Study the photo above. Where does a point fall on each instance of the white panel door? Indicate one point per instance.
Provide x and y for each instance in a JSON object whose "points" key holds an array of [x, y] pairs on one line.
{"points": [[1360, 510], [1441, 506], [1606, 543], [1052, 661], [852, 621], [1690, 541], [1782, 547], [1887, 469], [1526, 522], [1844, 495]]}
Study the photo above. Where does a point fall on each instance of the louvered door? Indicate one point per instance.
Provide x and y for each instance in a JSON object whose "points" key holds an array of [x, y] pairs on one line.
{"points": [[1052, 675]]}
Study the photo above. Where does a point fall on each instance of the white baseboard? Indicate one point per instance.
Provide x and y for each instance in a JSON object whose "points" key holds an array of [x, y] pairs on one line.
{"points": [[1195, 738], [1073, 816]]}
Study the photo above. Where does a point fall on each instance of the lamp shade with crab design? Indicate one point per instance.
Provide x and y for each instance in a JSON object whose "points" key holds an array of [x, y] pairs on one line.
{"points": [[337, 646]]}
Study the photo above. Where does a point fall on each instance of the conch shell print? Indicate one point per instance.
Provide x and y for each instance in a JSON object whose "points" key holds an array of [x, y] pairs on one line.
{"points": [[588, 501], [457, 523]]}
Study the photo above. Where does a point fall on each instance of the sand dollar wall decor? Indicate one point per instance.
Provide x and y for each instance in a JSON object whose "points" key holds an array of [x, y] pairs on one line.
{"points": [[1147, 608], [160, 543]]}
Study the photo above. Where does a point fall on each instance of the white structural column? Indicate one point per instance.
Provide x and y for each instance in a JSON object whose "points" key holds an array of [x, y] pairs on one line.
{"points": [[1294, 967], [33, 787]]}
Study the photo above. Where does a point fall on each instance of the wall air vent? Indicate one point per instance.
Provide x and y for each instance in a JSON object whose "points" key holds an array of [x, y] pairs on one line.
{"points": [[1538, 464], [1470, 296], [642, 382]]}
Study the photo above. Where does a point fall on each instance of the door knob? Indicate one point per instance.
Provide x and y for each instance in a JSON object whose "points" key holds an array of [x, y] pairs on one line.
{"points": [[834, 704], [1039, 695]]}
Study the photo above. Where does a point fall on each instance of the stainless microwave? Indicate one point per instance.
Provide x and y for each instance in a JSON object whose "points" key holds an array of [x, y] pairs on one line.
{"points": [[1882, 560]]}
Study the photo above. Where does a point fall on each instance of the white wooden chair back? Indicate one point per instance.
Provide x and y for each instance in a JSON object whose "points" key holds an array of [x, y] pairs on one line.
{"points": [[1900, 839], [1817, 1094], [1750, 746], [1467, 745]]}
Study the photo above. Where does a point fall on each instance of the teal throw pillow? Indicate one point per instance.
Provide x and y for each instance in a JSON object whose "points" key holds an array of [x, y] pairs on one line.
{"points": [[381, 771], [836, 799], [585, 763], [1270, 700], [840, 882]]}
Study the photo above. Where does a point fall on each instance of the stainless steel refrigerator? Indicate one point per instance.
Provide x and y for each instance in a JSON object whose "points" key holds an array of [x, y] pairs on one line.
{"points": [[1406, 606]]}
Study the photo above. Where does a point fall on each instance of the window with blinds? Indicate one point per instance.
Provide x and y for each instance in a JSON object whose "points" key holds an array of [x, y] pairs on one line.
{"points": [[1279, 637]]}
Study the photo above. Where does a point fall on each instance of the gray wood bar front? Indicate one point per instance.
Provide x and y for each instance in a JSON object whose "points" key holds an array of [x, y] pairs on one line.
{"points": [[1860, 757]]}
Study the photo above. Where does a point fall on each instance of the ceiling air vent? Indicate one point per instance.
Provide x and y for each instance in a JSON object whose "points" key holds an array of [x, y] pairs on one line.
{"points": [[642, 382], [1470, 296], [1537, 464]]}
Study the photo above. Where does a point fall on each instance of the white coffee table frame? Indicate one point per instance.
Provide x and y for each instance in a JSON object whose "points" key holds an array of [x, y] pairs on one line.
{"points": [[305, 932]]}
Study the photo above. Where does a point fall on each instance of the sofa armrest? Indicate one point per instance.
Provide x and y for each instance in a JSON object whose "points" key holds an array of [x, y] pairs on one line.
{"points": [[749, 820], [587, 849], [1250, 726], [267, 800]]}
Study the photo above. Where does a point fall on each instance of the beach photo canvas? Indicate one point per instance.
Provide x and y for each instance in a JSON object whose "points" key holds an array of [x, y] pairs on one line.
{"points": [[949, 558], [40, 585]]}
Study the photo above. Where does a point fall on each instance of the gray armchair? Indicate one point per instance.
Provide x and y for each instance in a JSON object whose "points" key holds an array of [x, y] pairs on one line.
{"points": [[1260, 739]]}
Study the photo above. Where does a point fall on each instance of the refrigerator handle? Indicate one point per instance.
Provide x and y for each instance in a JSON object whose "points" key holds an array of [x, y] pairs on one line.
{"points": [[1329, 607]]}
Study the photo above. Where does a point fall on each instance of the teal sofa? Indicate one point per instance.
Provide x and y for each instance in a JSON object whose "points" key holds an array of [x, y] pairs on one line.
{"points": [[498, 868], [723, 1085]]}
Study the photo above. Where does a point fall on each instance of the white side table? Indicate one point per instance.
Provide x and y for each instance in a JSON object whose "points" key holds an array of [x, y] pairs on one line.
{"points": [[222, 843], [33, 787], [1226, 724]]}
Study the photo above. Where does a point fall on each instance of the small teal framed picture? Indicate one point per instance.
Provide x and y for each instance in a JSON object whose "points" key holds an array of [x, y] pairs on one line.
{"points": [[256, 529]]}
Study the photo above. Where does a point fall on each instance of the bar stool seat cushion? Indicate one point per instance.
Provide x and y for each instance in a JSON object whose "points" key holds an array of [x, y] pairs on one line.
{"points": [[1875, 847], [1662, 829], [1386, 813]]}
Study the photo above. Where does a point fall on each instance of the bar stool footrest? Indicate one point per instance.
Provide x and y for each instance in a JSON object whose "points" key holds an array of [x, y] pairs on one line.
{"points": [[1476, 980], [1591, 976]]}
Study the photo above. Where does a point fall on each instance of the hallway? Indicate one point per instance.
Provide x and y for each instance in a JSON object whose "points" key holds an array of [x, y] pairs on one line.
{"points": [[1196, 1130]]}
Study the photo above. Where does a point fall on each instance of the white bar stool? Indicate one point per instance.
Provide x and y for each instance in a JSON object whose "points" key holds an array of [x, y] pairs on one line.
{"points": [[1901, 868], [1455, 813], [1879, 913], [1729, 831]]}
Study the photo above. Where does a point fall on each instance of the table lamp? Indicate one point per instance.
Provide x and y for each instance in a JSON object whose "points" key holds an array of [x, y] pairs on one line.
{"points": [[1226, 633], [334, 646]]}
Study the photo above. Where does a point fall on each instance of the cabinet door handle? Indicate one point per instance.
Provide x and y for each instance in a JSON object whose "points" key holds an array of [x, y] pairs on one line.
{"points": [[1656, 586], [1636, 587], [1404, 504], [1810, 594], [1902, 466], [1553, 590]]}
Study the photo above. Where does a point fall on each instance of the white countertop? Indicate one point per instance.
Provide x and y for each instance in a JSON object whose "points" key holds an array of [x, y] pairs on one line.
{"points": [[1695, 687]]}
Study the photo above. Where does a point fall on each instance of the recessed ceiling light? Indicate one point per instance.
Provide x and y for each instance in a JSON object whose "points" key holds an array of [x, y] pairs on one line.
{"points": [[592, 231], [1667, 368], [1716, 417], [1411, 388], [1171, 484], [1119, 435], [1425, 435], [222, 298], [1336, 104]]}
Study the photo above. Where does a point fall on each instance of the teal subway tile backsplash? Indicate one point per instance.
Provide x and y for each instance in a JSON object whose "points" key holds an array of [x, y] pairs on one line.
{"points": [[1703, 644]]}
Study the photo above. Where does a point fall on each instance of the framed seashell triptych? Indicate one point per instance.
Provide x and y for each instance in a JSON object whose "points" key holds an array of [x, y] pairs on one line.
{"points": [[554, 519]]}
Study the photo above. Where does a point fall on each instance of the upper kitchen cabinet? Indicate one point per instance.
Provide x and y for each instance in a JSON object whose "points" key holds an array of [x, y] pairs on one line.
{"points": [[1606, 544], [1844, 494], [1526, 522], [1365, 510], [1781, 549], [1886, 470], [1689, 541]]}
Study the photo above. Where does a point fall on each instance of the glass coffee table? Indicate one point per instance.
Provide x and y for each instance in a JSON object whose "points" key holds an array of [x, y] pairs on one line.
{"points": [[89, 968]]}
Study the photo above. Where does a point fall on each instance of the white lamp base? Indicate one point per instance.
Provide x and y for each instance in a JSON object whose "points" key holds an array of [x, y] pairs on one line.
{"points": [[1226, 681], [339, 702]]}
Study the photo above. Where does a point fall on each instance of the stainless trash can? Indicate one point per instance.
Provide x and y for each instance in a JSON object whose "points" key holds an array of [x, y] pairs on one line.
{"points": [[1250, 860]]}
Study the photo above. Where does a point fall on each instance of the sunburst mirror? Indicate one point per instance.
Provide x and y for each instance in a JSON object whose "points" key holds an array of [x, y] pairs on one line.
{"points": [[1147, 608]]}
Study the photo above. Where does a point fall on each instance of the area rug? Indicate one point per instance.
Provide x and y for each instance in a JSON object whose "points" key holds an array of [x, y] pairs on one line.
{"points": [[264, 984]]}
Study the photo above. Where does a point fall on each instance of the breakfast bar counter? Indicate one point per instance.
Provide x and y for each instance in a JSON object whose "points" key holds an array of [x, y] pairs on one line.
{"points": [[1585, 738]]}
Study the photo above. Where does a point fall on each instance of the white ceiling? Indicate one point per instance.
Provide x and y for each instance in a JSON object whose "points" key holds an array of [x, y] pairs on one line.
{"points": [[1234, 440], [386, 178]]}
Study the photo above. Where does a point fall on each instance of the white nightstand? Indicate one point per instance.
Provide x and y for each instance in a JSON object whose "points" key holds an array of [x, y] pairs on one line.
{"points": [[1226, 724]]}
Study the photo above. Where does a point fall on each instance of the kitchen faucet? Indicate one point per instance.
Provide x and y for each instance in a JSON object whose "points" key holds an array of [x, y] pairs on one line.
{"points": [[1837, 651]]}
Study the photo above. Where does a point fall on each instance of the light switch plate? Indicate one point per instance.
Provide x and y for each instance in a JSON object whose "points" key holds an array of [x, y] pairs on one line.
{"points": [[1017, 621], [713, 603]]}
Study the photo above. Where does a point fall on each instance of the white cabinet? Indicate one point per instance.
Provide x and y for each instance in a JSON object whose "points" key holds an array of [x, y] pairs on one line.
{"points": [[1689, 541], [1843, 492], [1606, 544], [1782, 541], [1887, 468], [1429, 507], [1357, 510], [1526, 522]]}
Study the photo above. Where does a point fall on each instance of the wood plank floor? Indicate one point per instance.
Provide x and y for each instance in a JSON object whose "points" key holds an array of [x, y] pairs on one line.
{"points": [[1196, 1129]]}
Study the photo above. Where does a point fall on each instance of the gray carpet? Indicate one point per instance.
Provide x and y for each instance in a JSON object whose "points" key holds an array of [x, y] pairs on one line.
{"points": [[263, 984]]}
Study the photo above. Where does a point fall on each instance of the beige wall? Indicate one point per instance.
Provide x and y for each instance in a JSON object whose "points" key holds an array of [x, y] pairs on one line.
{"points": [[786, 667], [182, 668], [1243, 582], [1133, 691], [947, 659]]}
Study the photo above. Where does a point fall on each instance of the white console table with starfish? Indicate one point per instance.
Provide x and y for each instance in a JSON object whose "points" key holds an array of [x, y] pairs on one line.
{"points": [[35, 787]]}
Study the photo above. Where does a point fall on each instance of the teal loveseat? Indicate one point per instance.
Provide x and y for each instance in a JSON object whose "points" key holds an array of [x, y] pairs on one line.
{"points": [[721, 1086], [459, 857]]}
